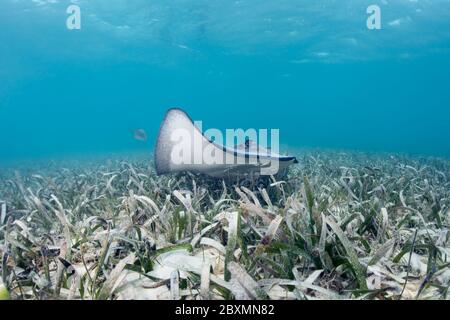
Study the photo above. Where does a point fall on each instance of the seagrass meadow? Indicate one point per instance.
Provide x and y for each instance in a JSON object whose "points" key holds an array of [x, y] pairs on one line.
{"points": [[339, 225]]}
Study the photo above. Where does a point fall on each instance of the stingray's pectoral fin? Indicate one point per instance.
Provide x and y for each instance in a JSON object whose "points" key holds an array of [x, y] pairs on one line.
{"points": [[175, 119], [180, 145]]}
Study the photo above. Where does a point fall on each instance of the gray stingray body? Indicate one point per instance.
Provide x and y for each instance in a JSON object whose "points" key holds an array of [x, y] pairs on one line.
{"points": [[178, 135]]}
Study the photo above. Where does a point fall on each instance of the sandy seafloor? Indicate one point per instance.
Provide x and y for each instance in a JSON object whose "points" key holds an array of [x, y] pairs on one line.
{"points": [[340, 225]]}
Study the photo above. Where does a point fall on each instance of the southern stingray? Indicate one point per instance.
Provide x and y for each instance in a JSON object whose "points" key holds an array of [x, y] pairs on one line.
{"points": [[181, 146]]}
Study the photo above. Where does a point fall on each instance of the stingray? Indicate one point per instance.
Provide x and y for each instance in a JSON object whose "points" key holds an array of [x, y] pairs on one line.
{"points": [[178, 135]]}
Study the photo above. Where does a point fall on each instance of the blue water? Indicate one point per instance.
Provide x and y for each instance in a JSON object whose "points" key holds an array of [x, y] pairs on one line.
{"points": [[310, 68]]}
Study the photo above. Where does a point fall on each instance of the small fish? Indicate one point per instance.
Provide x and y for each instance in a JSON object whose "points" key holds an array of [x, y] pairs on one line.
{"points": [[140, 135]]}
